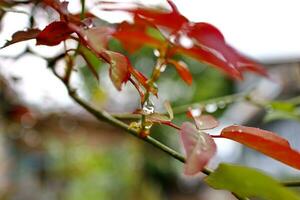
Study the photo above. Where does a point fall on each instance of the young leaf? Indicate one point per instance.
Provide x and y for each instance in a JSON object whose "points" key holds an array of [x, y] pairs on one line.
{"points": [[265, 142], [169, 109], [202, 121], [208, 57], [54, 33], [199, 148], [205, 122], [182, 70], [248, 182], [138, 36], [119, 70], [207, 44], [158, 118], [92, 61], [97, 37], [22, 36], [172, 20], [210, 39]]}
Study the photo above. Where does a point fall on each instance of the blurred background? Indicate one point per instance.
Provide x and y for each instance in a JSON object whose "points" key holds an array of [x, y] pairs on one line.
{"points": [[52, 149]]}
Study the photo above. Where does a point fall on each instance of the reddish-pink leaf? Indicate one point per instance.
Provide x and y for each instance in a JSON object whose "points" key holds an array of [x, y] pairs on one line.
{"points": [[182, 70], [119, 68], [142, 80], [172, 20], [209, 58], [202, 121], [207, 43], [97, 37], [157, 118], [265, 142], [205, 122], [137, 39], [54, 33], [22, 36], [211, 39], [199, 147]]}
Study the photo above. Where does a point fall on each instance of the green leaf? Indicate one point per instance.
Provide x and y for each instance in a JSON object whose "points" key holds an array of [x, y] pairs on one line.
{"points": [[283, 106], [248, 182], [280, 115], [282, 110]]}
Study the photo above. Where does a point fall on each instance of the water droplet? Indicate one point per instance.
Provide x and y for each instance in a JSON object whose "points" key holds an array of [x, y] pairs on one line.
{"points": [[148, 107], [222, 104], [240, 130], [210, 108], [163, 68], [156, 52], [186, 42], [196, 112], [172, 38]]}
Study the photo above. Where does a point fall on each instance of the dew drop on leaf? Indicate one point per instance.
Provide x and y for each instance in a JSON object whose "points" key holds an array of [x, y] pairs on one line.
{"points": [[156, 52], [210, 108], [163, 68], [221, 104], [196, 112], [186, 42]]}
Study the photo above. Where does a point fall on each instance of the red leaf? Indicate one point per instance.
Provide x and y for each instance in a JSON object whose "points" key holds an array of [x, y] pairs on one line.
{"points": [[211, 39], [95, 38], [119, 70], [172, 20], [210, 58], [54, 33], [142, 80], [207, 42], [137, 39], [265, 142], [22, 36], [182, 70], [205, 122], [199, 147]]}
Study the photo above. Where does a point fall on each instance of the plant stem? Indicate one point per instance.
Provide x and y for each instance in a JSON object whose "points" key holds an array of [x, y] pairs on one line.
{"points": [[181, 109], [224, 99], [82, 9]]}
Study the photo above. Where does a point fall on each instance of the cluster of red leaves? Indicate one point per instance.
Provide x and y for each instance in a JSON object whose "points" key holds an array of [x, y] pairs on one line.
{"points": [[201, 41], [207, 44]]}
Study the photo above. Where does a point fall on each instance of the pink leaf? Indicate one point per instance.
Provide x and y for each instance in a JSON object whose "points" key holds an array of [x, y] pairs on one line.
{"points": [[119, 68], [199, 147], [211, 39], [205, 122]]}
